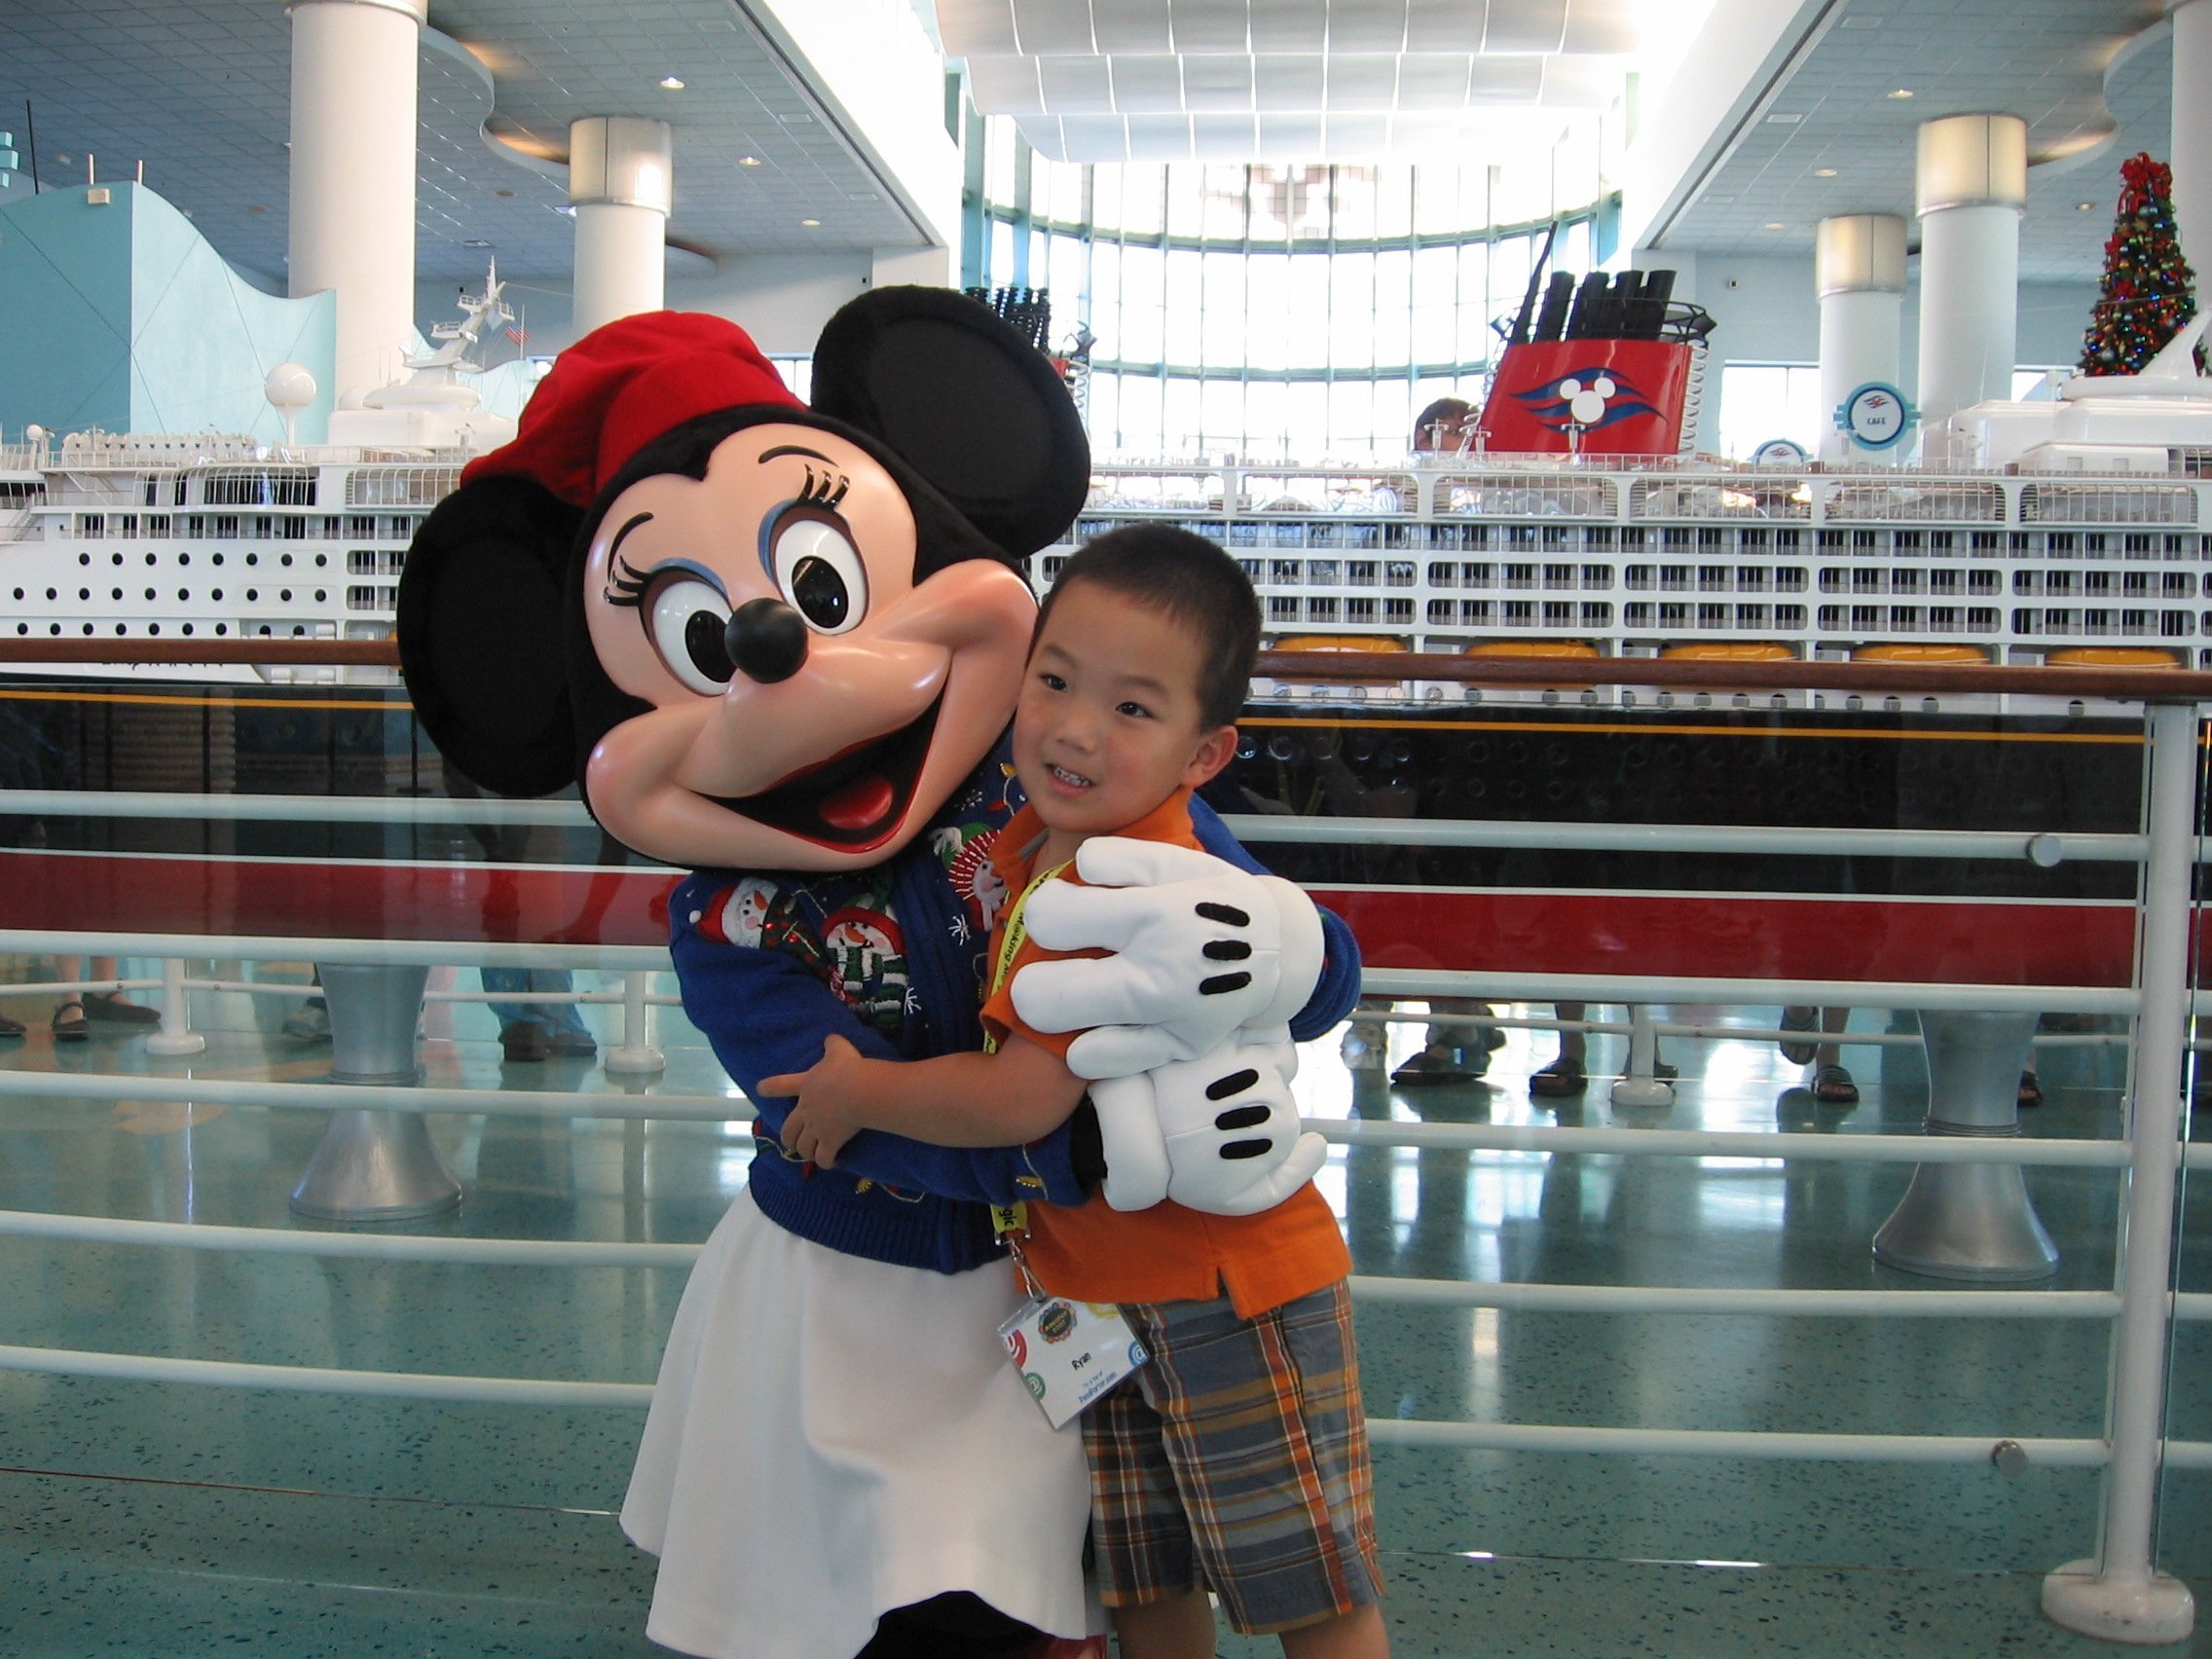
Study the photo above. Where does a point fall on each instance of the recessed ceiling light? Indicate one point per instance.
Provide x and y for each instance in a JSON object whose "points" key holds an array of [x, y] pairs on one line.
{"points": [[2083, 207], [1824, 172], [749, 161], [811, 224], [1774, 224], [671, 83], [1901, 92]]}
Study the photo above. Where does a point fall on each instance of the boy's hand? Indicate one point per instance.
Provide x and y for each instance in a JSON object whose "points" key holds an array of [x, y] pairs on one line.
{"points": [[830, 1095], [1201, 948]]}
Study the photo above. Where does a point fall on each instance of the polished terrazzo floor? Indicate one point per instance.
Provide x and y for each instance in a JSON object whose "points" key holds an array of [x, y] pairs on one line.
{"points": [[169, 1521]]}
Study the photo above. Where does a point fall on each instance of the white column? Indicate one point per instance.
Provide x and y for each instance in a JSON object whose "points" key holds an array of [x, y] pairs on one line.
{"points": [[621, 184], [1859, 272], [353, 198], [2193, 132], [1970, 186]]}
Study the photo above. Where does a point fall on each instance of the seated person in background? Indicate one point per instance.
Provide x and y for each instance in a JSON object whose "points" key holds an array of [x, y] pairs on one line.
{"points": [[1235, 1457]]}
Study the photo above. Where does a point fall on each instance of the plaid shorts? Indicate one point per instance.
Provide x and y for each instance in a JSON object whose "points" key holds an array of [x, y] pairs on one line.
{"points": [[1236, 1460]]}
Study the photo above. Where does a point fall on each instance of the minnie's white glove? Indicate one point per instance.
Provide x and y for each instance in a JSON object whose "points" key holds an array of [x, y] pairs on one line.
{"points": [[1201, 948], [1220, 1133]]}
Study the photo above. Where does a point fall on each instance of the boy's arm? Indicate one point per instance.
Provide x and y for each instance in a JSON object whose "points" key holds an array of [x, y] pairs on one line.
{"points": [[1019, 1093], [765, 1013]]}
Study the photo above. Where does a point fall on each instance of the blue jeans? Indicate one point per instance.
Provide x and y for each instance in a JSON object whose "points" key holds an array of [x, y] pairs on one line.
{"points": [[554, 1017]]}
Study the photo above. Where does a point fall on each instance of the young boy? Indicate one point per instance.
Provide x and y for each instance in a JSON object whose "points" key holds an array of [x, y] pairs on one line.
{"points": [[1236, 1457]]}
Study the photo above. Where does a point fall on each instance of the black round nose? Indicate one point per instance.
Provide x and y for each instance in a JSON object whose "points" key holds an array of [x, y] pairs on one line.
{"points": [[767, 641]]}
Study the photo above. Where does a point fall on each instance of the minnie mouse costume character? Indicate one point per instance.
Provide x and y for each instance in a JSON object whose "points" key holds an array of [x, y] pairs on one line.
{"points": [[781, 644]]}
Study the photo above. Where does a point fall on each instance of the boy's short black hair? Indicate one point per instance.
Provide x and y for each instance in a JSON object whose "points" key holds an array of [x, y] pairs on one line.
{"points": [[1190, 579]]}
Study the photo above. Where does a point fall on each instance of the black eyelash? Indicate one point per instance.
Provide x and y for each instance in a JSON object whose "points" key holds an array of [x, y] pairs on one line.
{"points": [[627, 586], [826, 490]]}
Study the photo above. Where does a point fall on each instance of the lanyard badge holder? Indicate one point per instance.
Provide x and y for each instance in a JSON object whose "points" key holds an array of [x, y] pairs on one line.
{"points": [[1068, 1352]]}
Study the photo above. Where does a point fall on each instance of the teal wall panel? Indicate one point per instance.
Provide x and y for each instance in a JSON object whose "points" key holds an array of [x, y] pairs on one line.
{"points": [[64, 314], [124, 317]]}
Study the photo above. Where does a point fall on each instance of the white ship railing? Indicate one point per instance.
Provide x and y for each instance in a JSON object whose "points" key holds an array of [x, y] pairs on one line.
{"points": [[2142, 1307]]}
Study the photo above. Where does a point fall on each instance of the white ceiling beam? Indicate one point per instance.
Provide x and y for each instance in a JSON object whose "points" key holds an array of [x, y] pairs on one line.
{"points": [[1134, 25], [1526, 25], [1048, 28], [1076, 86], [976, 27], [1367, 25], [1291, 25], [1147, 84], [1217, 83], [1006, 86]]}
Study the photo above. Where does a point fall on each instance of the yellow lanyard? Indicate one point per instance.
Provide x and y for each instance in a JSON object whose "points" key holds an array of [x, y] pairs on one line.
{"points": [[1011, 940], [1010, 1222]]}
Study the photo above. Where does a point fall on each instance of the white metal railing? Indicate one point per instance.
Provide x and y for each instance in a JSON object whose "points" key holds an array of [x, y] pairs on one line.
{"points": [[2142, 1307]]}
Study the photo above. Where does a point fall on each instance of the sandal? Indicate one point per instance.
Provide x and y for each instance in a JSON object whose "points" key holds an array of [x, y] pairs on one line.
{"points": [[69, 1022], [110, 1006], [1558, 1080], [1431, 1068], [1833, 1086], [1800, 1020], [2031, 1091]]}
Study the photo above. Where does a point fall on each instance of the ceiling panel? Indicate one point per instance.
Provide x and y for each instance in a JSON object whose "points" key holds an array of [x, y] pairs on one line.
{"points": [[200, 90], [1831, 138]]}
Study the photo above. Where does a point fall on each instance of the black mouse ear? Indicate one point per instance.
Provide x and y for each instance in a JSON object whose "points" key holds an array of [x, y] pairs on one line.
{"points": [[966, 402], [480, 629]]}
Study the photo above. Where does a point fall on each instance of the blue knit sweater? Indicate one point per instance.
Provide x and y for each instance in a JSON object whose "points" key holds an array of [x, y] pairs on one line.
{"points": [[892, 959]]}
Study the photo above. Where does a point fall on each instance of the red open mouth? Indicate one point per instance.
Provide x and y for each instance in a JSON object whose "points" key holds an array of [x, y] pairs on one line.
{"points": [[851, 801]]}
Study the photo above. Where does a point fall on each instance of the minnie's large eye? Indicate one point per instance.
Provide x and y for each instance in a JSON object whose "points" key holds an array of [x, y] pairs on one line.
{"points": [[818, 574], [688, 624]]}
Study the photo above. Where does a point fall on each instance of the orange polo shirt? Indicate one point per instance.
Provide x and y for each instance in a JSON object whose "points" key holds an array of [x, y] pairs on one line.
{"points": [[1094, 1252]]}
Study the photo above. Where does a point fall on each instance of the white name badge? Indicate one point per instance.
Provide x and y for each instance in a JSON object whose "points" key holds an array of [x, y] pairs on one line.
{"points": [[1070, 1352]]}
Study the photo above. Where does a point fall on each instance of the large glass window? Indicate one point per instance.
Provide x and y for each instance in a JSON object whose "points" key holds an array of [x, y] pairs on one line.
{"points": [[1298, 313]]}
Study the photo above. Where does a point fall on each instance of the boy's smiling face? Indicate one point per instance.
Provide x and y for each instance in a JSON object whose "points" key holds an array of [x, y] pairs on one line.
{"points": [[1109, 724]]}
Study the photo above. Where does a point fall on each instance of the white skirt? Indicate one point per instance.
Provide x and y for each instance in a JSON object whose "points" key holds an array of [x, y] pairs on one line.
{"points": [[832, 1438]]}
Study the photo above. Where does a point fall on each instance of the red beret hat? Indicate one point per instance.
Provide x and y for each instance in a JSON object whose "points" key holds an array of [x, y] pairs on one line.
{"points": [[623, 386]]}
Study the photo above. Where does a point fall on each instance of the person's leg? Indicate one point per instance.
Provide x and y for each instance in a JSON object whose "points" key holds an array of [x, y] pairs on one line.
{"points": [[525, 1033], [1570, 1074], [69, 1022], [1832, 1084], [1357, 1635], [116, 1006], [564, 1021], [1450, 1054], [1178, 1626]]}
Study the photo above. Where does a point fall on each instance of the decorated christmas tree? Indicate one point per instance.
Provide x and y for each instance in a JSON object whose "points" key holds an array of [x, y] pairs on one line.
{"points": [[2147, 294]]}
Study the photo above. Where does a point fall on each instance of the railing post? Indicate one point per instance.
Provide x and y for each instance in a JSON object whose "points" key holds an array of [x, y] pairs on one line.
{"points": [[636, 1053], [2116, 1593], [177, 1037], [1642, 1086]]}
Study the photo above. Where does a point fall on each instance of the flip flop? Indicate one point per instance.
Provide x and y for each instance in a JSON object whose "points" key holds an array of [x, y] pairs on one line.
{"points": [[1833, 1086], [1800, 1020], [1558, 1080]]}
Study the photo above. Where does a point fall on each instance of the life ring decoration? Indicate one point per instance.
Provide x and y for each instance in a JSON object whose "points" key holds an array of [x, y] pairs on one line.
{"points": [[1876, 416]]}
